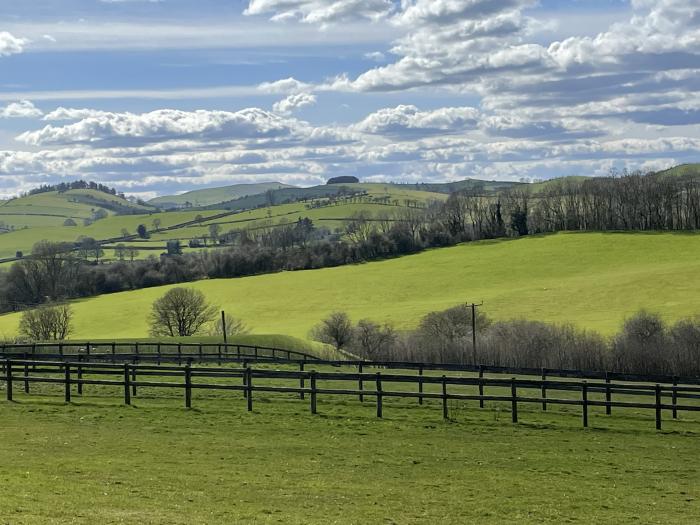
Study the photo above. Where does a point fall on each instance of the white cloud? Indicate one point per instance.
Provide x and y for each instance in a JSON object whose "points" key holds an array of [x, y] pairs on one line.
{"points": [[131, 129], [408, 122], [11, 45], [21, 109], [320, 11], [62, 113], [293, 102], [284, 86]]}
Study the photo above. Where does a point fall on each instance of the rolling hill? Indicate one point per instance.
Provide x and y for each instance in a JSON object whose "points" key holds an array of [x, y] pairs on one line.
{"points": [[53, 208], [594, 280], [213, 196]]}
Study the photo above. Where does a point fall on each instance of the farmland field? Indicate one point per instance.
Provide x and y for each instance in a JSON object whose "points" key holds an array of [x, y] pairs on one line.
{"points": [[594, 280], [97, 461]]}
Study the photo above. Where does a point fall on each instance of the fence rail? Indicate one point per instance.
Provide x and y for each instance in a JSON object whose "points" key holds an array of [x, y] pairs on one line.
{"points": [[144, 350], [235, 353], [300, 383]]}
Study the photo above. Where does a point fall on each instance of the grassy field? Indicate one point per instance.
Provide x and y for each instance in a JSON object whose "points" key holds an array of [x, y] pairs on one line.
{"points": [[594, 280], [25, 215], [96, 461]]}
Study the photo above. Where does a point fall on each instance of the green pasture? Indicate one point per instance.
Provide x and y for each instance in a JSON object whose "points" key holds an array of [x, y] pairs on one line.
{"points": [[98, 461], [593, 280]]}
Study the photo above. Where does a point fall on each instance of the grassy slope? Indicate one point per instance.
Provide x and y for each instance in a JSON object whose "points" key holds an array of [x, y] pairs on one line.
{"points": [[209, 196], [155, 462], [110, 227], [594, 280]]}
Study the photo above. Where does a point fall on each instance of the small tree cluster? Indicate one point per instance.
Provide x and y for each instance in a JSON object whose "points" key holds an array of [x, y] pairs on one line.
{"points": [[46, 323]]}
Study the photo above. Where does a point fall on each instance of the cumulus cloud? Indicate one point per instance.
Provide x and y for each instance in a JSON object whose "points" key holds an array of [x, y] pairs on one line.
{"points": [[284, 86], [106, 129], [290, 104], [320, 11], [407, 121], [21, 109], [10, 44], [62, 113]]}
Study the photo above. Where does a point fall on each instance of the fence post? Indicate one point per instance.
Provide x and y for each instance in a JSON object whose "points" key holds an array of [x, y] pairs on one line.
{"points": [[136, 348], [26, 375], [179, 354], [60, 349], [114, 351], [301, 379], [674, 398], [584, 395], [87, 348], [379, 395], [245, 379], [420, 385], [658, 406], [66, 368], [80, 376], [201, 353], [127, 387], [544, 389], [133, 379], [8, 378], [481, 386], [360, 382], [219, 352], [313, 392], [514, 400], [188, 386], [249, 388], [608, 395], [444, 398]]}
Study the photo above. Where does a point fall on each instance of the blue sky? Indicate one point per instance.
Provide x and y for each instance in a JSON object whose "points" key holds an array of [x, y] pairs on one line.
{"points": [[165, 96]]}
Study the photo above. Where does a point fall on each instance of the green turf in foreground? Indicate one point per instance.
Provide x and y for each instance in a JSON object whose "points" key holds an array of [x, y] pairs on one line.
{"points": [[99, 462]]}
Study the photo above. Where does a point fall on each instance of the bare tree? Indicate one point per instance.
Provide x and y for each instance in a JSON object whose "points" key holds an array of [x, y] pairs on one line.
{"points": [[46, 323], [336, 330], [234, 326], [180, 312], [372, 340]]}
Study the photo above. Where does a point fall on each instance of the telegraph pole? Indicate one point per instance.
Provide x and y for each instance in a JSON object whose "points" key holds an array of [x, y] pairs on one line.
{"points": [[474, 306], [223, 325]]}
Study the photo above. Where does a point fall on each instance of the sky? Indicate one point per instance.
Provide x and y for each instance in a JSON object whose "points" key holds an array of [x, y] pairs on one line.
{"points": [[158, 97]]}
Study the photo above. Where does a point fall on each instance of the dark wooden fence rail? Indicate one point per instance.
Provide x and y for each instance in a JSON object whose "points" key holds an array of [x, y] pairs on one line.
{"points": [[161, 350], [233, 353], [129, 377]]}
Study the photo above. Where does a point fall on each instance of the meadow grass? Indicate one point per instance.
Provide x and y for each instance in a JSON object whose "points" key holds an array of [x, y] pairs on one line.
{"points": [[96, 461], [593, 280]]}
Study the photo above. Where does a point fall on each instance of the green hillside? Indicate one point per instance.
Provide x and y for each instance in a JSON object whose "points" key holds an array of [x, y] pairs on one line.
{"points": [[592, 279], [53, 208], [212, 196], [683, 169]]}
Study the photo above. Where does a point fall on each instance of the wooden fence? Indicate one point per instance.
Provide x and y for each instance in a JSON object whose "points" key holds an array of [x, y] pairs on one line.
{"points": [[301, 383], [221, 353], [140, 351]]}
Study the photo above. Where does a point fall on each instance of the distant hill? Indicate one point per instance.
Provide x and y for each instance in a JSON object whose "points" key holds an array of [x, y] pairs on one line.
{"points": [[53, 208], [213, 196], [682, 169]]}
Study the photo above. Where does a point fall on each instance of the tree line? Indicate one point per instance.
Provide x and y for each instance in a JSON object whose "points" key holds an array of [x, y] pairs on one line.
{"points": [[626, 201], [644, 345]]}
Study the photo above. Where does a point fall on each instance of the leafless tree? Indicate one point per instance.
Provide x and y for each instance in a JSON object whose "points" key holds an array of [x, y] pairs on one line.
{"points": [[180, 312], [336, 330], [234, 326], [46, 323]]}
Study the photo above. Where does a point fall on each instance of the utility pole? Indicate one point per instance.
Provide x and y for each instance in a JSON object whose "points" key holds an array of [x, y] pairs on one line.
{"points": [[223, 325], [474, 306]]}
